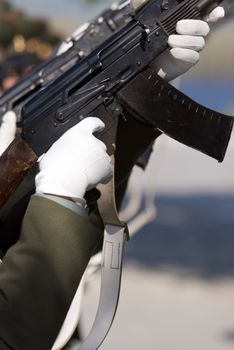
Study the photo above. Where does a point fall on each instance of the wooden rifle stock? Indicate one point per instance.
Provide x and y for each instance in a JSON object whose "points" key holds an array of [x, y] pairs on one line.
{"points": [[15, 162]]}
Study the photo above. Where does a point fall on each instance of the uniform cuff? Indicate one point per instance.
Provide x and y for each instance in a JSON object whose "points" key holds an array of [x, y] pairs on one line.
{"points": [[66, 203]]}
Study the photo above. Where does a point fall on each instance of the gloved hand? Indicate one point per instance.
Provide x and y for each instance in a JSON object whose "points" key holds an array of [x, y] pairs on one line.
{"points": [[75, 163], [171, 64], [7, 130], [185, 46]]}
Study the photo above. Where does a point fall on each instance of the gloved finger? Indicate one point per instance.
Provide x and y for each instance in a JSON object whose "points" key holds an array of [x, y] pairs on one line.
{"points": [[9, 118], [185, 55], [196, 43], [91, 125], [109, 176], [101, 168], [215, 15], [8, 127], [88, 125], [192, 27], [101, 144], [172, 63]]}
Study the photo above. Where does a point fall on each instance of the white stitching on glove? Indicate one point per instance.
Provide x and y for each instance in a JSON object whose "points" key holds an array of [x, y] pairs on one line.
{"points": [[75, 163], [7, 130], [185, 46]]}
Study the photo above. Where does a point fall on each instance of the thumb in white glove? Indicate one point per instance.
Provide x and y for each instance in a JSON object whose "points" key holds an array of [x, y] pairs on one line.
{"points": [[7, 130], [75, 163], [185, 46]]}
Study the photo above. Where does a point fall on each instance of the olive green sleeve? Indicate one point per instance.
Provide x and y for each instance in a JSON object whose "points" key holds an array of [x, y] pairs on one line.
{"points": [[40, 274]]}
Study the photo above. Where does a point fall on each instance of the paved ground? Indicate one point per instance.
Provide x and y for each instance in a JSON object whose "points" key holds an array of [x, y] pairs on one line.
{"points": [[162, 311]]}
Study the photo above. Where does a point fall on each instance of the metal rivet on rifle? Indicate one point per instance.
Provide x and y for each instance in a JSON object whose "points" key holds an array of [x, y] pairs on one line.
{"points": [[60, 116], [55, 125], [81, 53], [165, 5], [148, 40], [108, 100], [138, 63], [157, 33]]}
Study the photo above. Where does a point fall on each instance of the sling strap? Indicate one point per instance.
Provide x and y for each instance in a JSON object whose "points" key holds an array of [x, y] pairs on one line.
{"points": [[115, 235]]}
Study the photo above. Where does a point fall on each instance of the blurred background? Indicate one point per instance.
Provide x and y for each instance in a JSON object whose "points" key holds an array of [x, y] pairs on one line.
{"points": [[178, 280]]}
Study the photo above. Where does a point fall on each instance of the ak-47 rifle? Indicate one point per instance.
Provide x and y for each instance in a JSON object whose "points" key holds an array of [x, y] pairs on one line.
{"points": [[105, 77], [79, 44]]}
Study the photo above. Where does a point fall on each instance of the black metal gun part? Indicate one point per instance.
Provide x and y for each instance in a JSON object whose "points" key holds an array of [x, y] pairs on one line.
{"points": [[97, 79], [80, 45], [158, 104]]}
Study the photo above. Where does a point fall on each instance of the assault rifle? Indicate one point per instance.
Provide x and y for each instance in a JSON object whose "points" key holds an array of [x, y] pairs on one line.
{"points": [[80, 44], [106, 77]]}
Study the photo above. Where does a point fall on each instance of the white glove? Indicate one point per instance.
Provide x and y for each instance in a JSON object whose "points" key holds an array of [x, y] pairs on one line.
{"points": [[7, 130], [185, 46], [75, 163]]}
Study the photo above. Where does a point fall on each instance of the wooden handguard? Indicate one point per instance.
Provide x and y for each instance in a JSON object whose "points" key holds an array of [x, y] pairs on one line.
{"points": [[15, 162]]}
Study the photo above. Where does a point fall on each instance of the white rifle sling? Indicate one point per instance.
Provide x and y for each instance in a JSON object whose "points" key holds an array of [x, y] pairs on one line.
{"points": [[115, 235]]}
